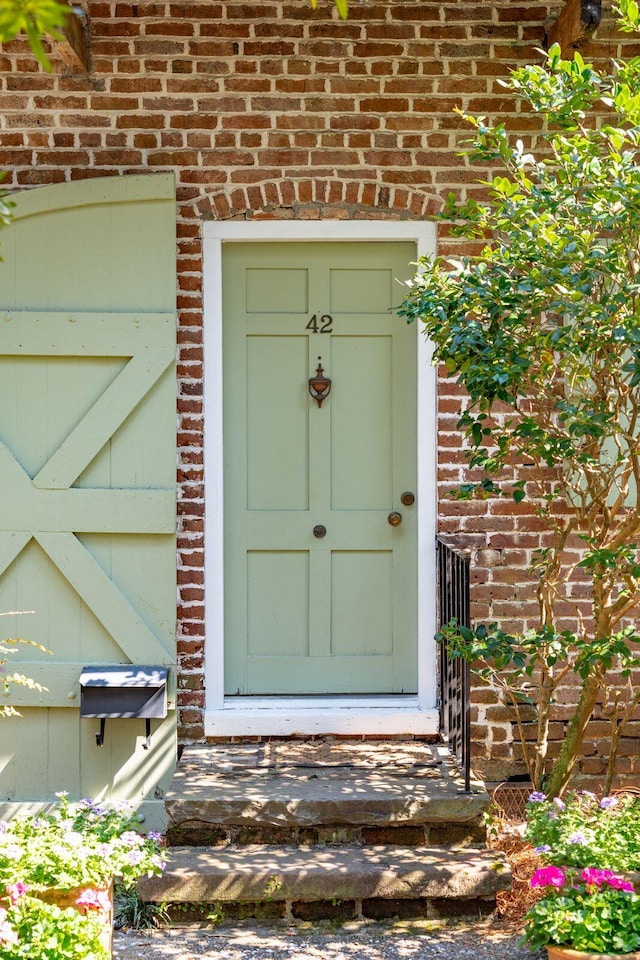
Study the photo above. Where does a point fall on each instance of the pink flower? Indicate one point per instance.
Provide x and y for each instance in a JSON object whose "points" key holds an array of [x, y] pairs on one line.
{"points": [[94, 900], [619, 884], [16, 891], [548, 877], [595, 877]]}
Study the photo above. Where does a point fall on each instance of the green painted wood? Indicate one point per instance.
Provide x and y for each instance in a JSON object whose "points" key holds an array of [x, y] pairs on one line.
{"points": [[11, 545], [80, 767], [77, 333], [109, 192], [106, 511], [108, 604], [54, 246], [87, 471], [268, 400], [100, 423], [61, 682], [337, 614]]}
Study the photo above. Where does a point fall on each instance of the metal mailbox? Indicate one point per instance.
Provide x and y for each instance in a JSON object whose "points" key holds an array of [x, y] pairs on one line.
{"points": [[123, 691]]}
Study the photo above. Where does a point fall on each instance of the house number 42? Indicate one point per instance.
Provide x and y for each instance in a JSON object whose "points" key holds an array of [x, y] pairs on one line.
{"points": [[320, 325]]}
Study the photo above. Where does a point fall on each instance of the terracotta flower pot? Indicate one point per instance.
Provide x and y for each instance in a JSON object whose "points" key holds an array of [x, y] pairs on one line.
{"points": [[565, 953]]}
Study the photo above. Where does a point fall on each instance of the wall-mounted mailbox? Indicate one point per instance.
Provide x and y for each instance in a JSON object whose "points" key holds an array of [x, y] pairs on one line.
{"points": [[119, 690]]}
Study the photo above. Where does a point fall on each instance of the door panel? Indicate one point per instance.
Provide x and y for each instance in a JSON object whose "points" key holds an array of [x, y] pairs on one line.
{"points": [[361, 459], [278, 603], [335, 614], [276, 367], [361, 603]]}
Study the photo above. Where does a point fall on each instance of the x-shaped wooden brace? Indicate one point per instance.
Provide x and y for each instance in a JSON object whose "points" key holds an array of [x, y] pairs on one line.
{"points": [[46, 508]]}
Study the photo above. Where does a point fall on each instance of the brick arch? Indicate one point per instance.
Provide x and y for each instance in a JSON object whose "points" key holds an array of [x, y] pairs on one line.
{"points": [[320, 199]]}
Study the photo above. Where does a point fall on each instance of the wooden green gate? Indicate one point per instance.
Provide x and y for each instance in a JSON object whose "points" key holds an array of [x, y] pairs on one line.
{"points": [[87, 477]]}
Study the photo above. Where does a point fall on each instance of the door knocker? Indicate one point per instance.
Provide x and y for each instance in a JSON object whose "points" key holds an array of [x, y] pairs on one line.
{"points": [[319, 385]]}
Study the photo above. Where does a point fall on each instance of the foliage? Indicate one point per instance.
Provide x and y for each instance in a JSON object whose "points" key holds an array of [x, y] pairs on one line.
{"points": [[587, 905], [34, 930], [75, 845], [130, 911], [542, 328], [591, 910], [34, 18], [583, 831]]}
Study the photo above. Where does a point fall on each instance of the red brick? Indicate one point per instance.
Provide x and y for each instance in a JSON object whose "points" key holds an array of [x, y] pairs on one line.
{"points": [[230, 97], [383, 105], [135, 85]]}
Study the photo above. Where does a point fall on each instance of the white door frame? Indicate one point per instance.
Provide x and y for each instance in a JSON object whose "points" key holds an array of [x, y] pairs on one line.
{"points": [[283, 715]]}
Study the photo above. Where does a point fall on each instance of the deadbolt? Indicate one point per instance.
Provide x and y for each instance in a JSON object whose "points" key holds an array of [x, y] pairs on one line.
{"points": [[319, 531], [408, 498], [395, 518]]}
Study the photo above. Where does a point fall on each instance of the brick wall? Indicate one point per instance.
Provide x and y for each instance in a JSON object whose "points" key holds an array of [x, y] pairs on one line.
{"points": [[268, 109]]}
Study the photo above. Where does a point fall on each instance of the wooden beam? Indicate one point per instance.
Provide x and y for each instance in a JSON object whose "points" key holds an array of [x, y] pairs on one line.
{"points": [[73, 49], [576, 22]]}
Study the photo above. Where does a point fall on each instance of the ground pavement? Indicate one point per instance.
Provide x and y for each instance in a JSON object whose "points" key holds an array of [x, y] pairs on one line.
{"points": [[477, 941]]}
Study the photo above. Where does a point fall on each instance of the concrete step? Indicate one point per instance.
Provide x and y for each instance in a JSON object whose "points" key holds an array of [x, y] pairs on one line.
{"points": [[306, 874], [234, 786]]}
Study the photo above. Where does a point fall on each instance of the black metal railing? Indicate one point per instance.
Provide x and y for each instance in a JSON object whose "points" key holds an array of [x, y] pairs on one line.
{"points": [[454, 678]]}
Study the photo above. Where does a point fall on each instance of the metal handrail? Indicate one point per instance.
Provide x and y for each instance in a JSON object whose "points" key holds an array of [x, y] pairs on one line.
{"points": [[453, 569]]}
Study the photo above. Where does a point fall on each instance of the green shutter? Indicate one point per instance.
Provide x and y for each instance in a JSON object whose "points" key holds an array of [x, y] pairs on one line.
{"points": [[87, 473]]}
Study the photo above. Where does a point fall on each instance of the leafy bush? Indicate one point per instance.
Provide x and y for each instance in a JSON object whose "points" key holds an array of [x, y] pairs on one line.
{"points": [[34, 930], [541, 326]]}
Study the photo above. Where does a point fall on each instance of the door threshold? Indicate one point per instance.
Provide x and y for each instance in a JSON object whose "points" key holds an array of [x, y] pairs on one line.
{"points": [[286, 716]]}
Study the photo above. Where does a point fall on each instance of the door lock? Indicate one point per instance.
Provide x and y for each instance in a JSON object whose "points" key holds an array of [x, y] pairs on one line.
{"points": [[408, 498]]}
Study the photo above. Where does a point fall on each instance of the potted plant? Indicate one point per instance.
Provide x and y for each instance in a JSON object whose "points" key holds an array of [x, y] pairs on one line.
{"points": [[56, 878], [588, 914], [591, 847]]}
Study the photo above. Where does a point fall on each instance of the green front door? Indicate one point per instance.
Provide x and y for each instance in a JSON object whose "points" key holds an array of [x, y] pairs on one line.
{"points": [[307, 612]]}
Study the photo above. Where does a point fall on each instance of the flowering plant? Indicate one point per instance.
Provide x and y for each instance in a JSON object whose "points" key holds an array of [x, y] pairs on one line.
{"points": [[585, 842], [76, 845], [78, 848], [582, 831], [34, 930], [593, 910]]}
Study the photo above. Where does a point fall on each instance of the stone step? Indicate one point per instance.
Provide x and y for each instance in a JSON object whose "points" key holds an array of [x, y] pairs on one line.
{"points": [[233, 786], [306, 874]]}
